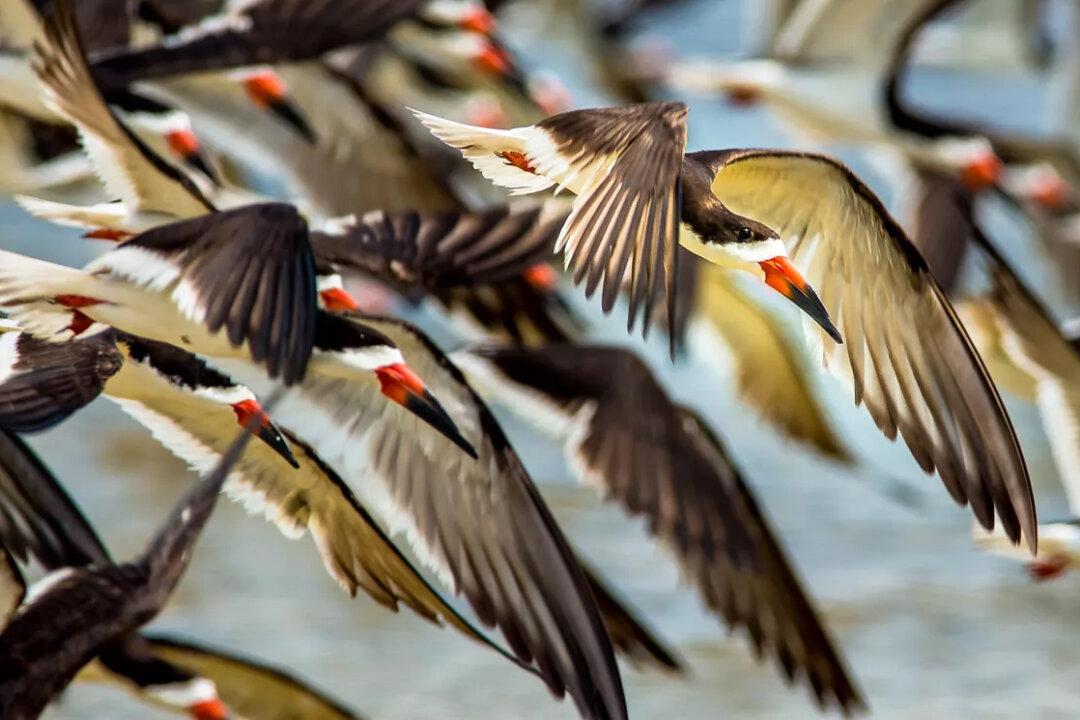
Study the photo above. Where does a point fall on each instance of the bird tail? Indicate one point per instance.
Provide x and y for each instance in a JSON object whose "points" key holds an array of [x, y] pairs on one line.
{"points": [[502, 156], [33, 292]]}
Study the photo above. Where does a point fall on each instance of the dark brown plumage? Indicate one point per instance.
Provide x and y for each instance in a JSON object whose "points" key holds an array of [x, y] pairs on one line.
{"points": [[262, 32], [251, 269], [660, 460], [91, 608]]}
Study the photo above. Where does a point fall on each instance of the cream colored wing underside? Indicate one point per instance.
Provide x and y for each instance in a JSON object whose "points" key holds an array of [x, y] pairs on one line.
{"points": [[905, 353]]}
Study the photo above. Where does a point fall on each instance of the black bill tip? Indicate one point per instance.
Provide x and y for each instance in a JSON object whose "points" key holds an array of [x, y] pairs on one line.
{"points": [[276, 442], [807, 300], [288, 112], [430, 410]]}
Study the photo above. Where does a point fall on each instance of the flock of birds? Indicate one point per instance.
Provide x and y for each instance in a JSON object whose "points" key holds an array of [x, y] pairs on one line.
{"points": [[220, 320]]}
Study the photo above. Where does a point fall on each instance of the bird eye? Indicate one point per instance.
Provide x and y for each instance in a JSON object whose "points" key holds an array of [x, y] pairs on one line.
{"points": [[744, 233]]}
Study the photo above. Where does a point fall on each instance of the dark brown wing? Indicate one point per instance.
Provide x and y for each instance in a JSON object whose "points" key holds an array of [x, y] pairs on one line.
{"points": [[262, 32], [249, 271], [631, 638], [660, 461], [480, 522], [941, 228], [517, 310], [46, 382], [37, 518], [624, 164], [906, 355], [627, 161], [438, 250]]}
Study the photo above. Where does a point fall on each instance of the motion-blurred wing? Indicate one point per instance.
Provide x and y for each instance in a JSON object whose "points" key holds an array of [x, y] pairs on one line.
{"points": [[37, 518], [1034, 342], [364, 158], [906, 355], [45, 382], [480, 523], [856, 31], [130, 170], [656, 459], [259, 32], [438, 250], [770, 373], [249, 688]]}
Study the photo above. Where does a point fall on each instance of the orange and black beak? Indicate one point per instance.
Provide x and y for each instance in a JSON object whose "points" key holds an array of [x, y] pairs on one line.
{"points": [[399, 383], [495, 59], [267, 90], [783, 277], [186, 146], [212, 709], [250, 410]]}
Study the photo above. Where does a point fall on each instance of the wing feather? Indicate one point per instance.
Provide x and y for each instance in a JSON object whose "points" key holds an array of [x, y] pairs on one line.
{"points": [[130, 170], [480, 524], [837, 229], [660, 461]]}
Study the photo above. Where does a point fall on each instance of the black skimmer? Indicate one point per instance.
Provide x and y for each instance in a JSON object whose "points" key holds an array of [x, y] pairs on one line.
{"points": [[77, 613], [155, 123], [480, 524], [1034, 343], [267, 32], [657, 459], [189, 407], [150, 189], [842, 51], [44, 525], [193, 410], [237, 282], [632, 156], [912, 365], [44, 383]]}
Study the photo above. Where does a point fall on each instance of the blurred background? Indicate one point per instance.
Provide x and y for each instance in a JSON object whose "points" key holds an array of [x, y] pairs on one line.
{"points": [[930, 626]]}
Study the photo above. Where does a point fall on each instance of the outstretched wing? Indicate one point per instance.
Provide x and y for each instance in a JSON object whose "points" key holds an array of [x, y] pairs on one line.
{"points": [[624, 165], [130, 170], [626, 438], [45, 382], [481, 524], [248, 271], [906, 355]]}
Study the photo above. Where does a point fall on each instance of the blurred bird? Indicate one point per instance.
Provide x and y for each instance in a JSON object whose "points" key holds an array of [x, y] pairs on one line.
{"points": [[825, 74], [479, 524], [275, 31], [189, 407], [76, 613], [629, 440], [1032, 340], [907, 363], [47, 527]]}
